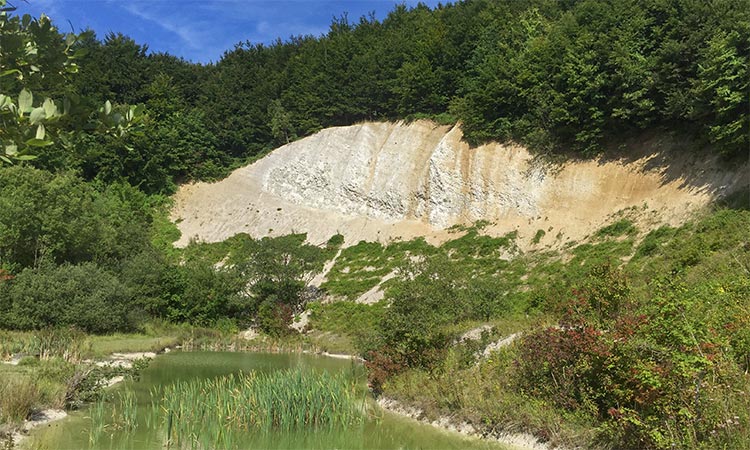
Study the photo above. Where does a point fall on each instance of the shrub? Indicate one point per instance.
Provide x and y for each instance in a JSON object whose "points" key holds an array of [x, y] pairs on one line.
{"points": [[274, 318], [381, 365], [652, 374], [566, 365], [335, 242], [206, 294], [46, 218], [619, 228], [84, 296], [344, 317]]}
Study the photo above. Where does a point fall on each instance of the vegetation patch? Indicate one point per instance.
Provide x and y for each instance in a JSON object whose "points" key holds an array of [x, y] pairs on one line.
{"points": [[623, 227], [209, 412], [361, 267], [640, 345]]}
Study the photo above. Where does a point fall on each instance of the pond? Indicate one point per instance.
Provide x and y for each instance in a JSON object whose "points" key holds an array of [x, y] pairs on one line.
{"points": [[147, 428]]}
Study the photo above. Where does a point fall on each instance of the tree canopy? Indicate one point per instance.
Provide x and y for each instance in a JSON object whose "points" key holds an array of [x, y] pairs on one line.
{"points": [[565, 77]]}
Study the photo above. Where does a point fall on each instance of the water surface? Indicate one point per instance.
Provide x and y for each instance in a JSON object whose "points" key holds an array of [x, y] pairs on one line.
{"points": [[382, 431]]}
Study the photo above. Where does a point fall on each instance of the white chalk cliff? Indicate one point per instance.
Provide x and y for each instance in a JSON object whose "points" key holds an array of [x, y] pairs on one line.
{"points": [[381, 181]]}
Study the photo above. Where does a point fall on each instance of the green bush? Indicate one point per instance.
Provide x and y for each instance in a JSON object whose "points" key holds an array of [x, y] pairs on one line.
{"points": [[427, 296], [358, 321], [345, 317], [205, 294], [653, 375], [85, 296], [274, 317]]}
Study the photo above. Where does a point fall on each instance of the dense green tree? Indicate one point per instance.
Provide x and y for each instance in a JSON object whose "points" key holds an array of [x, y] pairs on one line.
{"points": [[428, 296], [115, 69], [556, 76], [46, 218], [722, 89], [276, 272], [206, 294], [84, 296], [281, 125]]}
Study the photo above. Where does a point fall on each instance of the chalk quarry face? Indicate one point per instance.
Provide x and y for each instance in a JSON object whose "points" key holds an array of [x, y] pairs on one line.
{"points": [[383, 181]]}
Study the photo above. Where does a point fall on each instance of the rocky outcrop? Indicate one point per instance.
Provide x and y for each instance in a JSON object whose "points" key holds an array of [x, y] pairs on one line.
{"points": [[380, 181]]}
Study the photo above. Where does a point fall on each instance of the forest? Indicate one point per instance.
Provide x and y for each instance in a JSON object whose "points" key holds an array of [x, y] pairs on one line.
{"points": [[558, 76], [97, 132]]}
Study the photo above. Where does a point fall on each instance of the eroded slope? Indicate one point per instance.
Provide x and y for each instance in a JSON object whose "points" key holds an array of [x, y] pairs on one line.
{"points": [[380, 181]]}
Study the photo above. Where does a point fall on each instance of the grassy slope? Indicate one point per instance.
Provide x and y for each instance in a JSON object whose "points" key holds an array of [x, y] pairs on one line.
{"points": [[710, 255]]}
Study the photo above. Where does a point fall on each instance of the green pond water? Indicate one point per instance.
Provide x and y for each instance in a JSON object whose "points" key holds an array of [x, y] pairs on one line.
{"points": [[382, 430]]}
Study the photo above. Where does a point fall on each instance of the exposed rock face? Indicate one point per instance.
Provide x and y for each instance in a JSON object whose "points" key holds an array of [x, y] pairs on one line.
{"points": [[378, 181]]}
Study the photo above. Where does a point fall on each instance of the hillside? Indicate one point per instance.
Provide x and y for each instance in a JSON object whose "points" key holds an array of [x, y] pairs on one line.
{"points": [[587, 281], [590, 303], [383, 181]]}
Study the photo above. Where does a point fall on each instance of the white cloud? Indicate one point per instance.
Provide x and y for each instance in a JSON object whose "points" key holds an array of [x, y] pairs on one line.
{"points": [[187, 32]]}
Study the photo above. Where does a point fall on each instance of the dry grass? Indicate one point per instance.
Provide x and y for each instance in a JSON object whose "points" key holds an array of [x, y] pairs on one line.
{"points": [[18, 397]]}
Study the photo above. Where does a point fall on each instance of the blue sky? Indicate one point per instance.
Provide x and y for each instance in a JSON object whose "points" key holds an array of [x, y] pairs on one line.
{"points": [[202, 30]]}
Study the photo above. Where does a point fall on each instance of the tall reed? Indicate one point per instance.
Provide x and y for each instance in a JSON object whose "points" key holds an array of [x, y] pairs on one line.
{"points": [[97, 422], [65, 343], [211, 413], [17, 398], [128, 410]]}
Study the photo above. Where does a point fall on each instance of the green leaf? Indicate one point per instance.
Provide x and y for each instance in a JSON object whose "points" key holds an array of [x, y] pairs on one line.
{"points": [[5, 101], [38, 143], [9, 72], [26, 157], [37, 115], [25, 99], [3, 158], [50, 109]]}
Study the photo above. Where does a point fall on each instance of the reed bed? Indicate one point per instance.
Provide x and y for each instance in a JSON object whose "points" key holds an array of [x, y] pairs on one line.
{"points": [[210, 413], [65, 343], [98, 422], [128, 410], [107, 416], [18, 395]]}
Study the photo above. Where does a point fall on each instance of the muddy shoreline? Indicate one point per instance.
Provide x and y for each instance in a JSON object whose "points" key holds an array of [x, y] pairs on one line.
{"points": [[519, 441]]}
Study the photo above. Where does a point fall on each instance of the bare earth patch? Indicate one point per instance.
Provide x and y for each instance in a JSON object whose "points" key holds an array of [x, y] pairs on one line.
{"points": [[383, 181], [519, 441], [37, 419]]}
